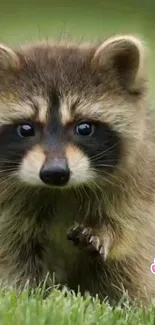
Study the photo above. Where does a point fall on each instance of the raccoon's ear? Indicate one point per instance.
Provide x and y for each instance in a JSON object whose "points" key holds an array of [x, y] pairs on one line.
{"points": [[9, 60], [126, 55]]}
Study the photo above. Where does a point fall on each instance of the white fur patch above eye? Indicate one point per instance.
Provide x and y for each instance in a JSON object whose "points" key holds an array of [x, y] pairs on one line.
{"points": [[65, 114], [66, 105], [13, 109], [31, 165], [79, 166], [42, 105]]}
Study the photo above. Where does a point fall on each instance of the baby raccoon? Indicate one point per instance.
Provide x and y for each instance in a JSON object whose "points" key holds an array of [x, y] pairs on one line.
{"points": [[77, 168]]}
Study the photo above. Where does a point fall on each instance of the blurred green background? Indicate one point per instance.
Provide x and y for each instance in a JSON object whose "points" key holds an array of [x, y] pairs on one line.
{"points": [[26, 21]]}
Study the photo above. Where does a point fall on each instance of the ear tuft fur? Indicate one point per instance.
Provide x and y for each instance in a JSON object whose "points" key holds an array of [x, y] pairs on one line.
{"points": [[8, 59], [126, 55]]}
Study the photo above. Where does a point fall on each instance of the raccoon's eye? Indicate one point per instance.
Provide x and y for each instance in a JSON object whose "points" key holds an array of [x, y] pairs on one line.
{"points": [[85, 129], [25, 130]]}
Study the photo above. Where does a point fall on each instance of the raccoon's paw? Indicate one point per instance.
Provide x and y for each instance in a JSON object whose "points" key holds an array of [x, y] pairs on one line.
{"points": [[85, 238]]}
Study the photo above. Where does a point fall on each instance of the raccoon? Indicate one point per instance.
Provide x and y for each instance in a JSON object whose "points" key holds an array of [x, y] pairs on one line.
{"points": [[77, 167]]}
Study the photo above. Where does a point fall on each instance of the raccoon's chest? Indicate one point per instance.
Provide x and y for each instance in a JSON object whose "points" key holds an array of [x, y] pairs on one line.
{"points": [[62, 254]]}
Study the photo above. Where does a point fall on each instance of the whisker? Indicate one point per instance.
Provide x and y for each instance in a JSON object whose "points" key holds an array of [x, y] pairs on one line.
{"points": [[103, 153], [119, 182], [105, 165], [8, 180], [105, 179], [111, 175], [88, 203], [8, 189], [96, 185], [7, 170], [8, 161]]}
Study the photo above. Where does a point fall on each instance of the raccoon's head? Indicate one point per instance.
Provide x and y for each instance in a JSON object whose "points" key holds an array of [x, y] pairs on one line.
{"points": [[69, 115]]}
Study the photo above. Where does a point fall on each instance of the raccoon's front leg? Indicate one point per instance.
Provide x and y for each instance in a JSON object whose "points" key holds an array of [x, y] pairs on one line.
{"points": [[92, 240]]}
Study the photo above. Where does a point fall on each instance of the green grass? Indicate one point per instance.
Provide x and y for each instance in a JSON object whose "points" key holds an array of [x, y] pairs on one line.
{"points": [[59, 309]]}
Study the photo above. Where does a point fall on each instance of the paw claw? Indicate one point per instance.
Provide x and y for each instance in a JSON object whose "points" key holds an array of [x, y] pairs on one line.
{"points": [[84, 239], [96, 243], [74, 228], [91, 239], [101, 251]]}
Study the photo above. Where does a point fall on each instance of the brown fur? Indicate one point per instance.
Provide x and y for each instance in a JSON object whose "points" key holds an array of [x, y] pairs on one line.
{"points": [[105, 83]]}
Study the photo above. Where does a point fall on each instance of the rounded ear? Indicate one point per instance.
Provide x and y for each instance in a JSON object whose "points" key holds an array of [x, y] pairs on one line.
{"points": [[9, 60], [125, 55]]}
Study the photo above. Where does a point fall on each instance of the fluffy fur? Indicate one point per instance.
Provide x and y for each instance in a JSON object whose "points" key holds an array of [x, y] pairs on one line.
{"points": [[107, 208]]}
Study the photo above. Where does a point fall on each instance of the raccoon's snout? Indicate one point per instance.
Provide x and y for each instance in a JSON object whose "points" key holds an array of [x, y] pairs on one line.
{"points": [[55, 172]]}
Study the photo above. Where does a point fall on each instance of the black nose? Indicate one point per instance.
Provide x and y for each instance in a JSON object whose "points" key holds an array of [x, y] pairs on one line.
{"points": [[55, 173]]}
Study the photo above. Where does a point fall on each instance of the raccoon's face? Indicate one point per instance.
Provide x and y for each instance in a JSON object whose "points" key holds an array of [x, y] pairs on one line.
{"points": [[66, 112]]}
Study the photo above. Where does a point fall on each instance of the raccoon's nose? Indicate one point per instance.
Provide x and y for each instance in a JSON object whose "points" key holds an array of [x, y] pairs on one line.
{"points": [[55, 173]]}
